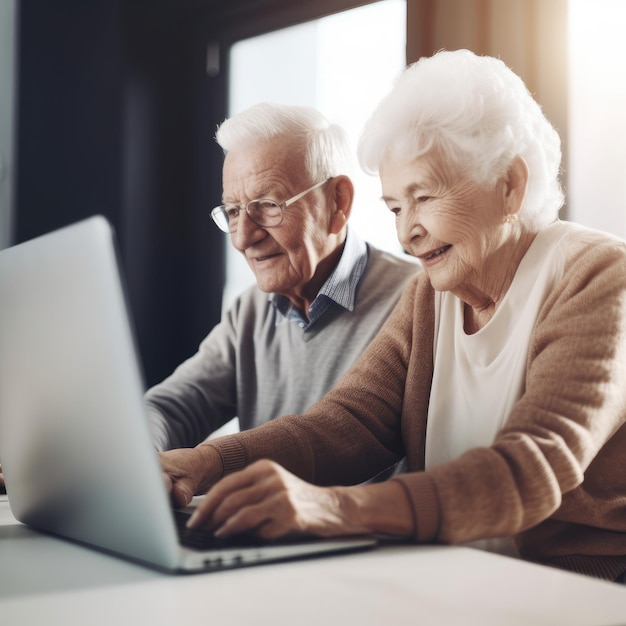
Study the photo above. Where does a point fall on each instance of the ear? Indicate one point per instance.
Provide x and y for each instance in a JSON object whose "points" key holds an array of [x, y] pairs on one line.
{"points": [[343, 195], [516, 183]]}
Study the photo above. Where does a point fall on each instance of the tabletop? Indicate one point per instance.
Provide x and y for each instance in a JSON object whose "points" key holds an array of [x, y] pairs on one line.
{"points": [[45, 580]]}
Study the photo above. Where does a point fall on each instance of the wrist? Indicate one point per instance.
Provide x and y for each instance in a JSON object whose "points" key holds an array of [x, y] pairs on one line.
{"points": [[212, 465], [381, 508]]}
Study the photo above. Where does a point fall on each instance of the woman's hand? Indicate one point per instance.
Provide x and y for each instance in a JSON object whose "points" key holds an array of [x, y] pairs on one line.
{"points": [[267, 499]]}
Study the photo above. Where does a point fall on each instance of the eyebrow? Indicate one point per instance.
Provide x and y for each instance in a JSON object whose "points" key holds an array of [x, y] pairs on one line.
{"points": [[410, 191], [258, 196]]}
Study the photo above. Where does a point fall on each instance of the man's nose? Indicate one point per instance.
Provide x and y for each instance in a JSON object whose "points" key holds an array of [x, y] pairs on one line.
{"points": [[247, 232]]}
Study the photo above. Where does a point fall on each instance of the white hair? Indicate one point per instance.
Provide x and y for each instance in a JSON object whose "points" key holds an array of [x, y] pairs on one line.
{"points": [[325, 145], [479, 116]]}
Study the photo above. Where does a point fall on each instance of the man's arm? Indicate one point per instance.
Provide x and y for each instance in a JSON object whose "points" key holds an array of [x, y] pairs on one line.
{"points": [[200, 395]]}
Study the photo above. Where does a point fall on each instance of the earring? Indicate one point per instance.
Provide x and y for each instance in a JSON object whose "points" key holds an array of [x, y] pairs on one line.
{"points": [[510, 218]]}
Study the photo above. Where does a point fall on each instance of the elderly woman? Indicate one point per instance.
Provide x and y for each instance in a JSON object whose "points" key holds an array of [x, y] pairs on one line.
{"points": [[501, 374]]}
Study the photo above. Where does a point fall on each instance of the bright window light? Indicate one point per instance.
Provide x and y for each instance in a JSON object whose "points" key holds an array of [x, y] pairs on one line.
{"points": [[596, 169]]}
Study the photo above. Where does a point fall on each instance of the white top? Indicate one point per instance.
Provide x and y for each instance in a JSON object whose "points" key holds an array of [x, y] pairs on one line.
{"points": [[478, 378]]}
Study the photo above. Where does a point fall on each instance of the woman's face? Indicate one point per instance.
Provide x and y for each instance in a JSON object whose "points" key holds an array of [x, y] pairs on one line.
{"points": [[451, 224]]}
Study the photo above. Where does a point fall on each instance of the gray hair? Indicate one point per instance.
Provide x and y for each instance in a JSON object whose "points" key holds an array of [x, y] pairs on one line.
{"points": [[479, 116], [326, 146]]}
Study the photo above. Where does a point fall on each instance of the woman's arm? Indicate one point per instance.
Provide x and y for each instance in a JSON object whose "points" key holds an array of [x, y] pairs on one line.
{"points": [[267, 499]]}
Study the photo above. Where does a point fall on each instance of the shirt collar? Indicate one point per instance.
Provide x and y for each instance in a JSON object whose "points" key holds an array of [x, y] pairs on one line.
{"points": [[340, 286]]}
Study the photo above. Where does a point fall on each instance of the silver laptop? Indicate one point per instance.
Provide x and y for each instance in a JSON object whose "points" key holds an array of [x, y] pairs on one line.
{"points": [[75, 445]]}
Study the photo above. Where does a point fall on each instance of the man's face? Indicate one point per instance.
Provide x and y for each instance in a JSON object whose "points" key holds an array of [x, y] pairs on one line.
{"points": [[284, 258]]}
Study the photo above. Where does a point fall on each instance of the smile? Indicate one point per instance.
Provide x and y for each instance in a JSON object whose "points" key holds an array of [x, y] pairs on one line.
{"points": [[260, 259], [435, 253]]}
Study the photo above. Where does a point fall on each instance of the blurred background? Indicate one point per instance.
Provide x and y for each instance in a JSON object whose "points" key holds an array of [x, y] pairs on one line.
{"points": [[111, 106]]}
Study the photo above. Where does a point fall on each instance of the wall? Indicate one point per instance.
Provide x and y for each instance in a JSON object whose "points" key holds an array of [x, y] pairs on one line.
{"points": [[115, 117], [8, 11]]}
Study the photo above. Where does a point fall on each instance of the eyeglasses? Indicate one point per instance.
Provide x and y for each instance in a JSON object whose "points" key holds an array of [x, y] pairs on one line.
{"points": [[263, 212]]}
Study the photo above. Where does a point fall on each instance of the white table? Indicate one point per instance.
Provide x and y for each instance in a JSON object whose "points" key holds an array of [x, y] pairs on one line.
{"points": [[49, 581]]}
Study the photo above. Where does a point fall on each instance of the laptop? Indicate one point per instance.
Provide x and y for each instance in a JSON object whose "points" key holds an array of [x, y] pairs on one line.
{"points": [[75, 444]]}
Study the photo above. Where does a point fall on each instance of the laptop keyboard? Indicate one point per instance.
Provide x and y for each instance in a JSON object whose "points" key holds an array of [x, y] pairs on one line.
{"points": [[205, 540]]}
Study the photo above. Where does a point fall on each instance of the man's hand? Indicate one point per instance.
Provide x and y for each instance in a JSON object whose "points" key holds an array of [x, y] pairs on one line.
{"points": [[190, 471]]}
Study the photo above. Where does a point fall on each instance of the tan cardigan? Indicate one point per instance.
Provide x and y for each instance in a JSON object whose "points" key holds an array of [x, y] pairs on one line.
{"points": [[555, 476]]}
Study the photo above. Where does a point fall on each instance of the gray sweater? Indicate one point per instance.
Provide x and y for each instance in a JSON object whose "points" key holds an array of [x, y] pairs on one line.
{"points": [[256, 369]]}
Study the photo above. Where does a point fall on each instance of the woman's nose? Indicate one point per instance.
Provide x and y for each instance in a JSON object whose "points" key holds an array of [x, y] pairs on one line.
{"points": [[408, 225]]}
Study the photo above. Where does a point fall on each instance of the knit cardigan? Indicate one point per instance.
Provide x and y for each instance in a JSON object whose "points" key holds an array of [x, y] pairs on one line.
{"points": [[554, 477]]}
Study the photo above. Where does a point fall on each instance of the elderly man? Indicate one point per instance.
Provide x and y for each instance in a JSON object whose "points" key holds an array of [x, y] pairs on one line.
{"points": [[321, 293]]}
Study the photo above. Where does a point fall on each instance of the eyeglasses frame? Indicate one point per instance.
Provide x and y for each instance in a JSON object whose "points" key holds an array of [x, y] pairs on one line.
{"points": [[221, 209]]}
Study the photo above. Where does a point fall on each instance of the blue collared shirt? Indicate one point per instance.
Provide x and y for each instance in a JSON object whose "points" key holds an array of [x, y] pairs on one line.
{"points": [[339, 289]]}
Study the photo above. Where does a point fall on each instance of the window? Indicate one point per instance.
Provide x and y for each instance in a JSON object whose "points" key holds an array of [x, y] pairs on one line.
{"points": [[596, 171], [8, 31]]}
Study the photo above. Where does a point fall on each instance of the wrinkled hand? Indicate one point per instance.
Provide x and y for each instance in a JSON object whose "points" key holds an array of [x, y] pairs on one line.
{"points": [[190, 471], [266, 498]]}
